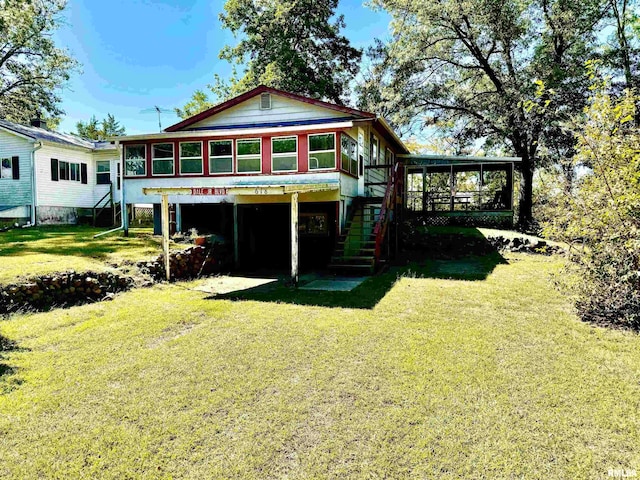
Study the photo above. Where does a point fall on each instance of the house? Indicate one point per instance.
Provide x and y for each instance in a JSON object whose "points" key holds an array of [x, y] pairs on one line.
{"points": [[54, 178], [271, 171]]}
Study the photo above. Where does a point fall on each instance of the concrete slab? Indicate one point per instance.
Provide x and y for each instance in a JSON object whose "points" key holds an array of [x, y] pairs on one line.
{"points": [[225, 284], [337, 284]]}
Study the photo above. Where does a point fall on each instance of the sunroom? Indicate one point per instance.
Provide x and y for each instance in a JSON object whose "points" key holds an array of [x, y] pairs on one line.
{"points": [[452, 190]]}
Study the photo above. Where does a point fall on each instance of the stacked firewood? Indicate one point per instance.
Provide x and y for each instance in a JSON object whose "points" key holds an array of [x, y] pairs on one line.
{"points": [[192, 262], [60, 290]]}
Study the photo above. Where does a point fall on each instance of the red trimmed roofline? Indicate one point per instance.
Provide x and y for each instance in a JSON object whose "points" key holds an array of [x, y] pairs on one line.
{"points": [[256, 91]]}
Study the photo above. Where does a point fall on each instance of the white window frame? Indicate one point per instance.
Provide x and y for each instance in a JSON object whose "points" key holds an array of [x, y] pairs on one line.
{"points": [[98, 172], [240, 157], [334, 151], [173, 160], [289, 154], [3, 177], [375, 141], [233, 157], [124, 152], [74, 168], [201, 157]]}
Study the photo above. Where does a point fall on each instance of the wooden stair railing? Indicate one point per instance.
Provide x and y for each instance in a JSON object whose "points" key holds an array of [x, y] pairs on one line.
{"points": [[97, 209], [388, 205]]}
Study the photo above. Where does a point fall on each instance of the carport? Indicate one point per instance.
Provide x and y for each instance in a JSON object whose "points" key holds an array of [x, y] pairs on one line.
{"points": [[286, 193]]}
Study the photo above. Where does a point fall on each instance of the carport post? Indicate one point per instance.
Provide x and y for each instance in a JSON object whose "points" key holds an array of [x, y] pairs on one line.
{"points": [[294, 238], [236, 239], [165, 233]]}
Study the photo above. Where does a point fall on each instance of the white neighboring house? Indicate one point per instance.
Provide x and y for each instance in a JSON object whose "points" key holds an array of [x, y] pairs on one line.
{"points": [[48, 177]]}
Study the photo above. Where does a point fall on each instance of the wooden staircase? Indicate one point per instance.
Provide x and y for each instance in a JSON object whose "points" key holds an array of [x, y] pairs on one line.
{"points": [[106, 205], [365, 243], [355, 250]]}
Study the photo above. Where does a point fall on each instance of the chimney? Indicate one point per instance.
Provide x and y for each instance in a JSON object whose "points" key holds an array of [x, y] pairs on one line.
{"points": [[39, 123]]}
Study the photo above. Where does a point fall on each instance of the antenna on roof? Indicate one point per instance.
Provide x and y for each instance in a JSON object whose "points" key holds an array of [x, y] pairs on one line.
{"points": [[159, 111]]}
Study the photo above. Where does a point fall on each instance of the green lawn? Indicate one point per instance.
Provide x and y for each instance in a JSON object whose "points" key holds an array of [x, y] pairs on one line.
{"points": [[426, 378], [42, 250]]}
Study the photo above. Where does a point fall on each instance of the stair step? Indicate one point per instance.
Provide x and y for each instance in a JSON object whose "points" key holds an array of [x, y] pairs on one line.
{"points": [[347, 267], [368, 258]]}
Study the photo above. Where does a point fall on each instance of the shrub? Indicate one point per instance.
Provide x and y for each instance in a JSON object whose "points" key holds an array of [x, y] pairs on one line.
{"points": [[600, 216]]}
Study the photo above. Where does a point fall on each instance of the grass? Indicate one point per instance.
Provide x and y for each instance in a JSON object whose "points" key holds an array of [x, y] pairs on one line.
{"points": [[43, 250], [427, 378]]}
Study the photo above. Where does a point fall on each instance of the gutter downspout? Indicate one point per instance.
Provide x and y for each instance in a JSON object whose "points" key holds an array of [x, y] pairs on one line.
{"points": [[123, 212], [34, 193]]}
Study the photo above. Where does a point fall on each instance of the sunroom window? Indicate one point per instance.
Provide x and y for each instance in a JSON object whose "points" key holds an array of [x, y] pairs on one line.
{"points": [[220, 156], [284, 154], [249, 155], [135, 161], [162, 159], [349, 154], [191, 158], [322, 151]]}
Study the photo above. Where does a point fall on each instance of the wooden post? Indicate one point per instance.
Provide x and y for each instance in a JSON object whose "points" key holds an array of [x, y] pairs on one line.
{"points": [[178, 217], [236, 236], [294, 238], [165, 233]]}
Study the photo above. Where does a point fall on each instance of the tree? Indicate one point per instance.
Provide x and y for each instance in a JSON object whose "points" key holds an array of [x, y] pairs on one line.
{"points": [[291, 45], [32, 68], [502, 73], [600, 217], [622, 53], [100, 130]]}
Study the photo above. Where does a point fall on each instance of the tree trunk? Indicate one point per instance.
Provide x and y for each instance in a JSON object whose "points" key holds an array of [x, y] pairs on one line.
{"points": [[525, 205]]}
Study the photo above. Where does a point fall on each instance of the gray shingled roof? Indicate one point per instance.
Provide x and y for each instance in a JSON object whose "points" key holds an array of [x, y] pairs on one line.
{"points": [[55, 137]]}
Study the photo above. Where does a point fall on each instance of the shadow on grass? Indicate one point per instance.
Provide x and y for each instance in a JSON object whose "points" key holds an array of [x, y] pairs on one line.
{"points": [[7, 383], [67, 241], [368, 294]]}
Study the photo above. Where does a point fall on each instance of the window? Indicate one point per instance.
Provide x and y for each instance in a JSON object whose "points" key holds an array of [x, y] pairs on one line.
{"points": [[322, 151], [220, 156], [6, 171], [349, 154], [162, 159], [191, 158], [135, 160], [74, 172], [284, 154], [249, 155], [69, 171], [103, 172], [374, 151], [388, 156]]}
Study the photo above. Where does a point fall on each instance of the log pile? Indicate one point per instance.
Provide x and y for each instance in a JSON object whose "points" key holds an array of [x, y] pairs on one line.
{"points": [[61, 290], [190, 263]]}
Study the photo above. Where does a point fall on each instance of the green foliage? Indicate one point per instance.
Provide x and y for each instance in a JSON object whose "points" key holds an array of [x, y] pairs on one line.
{"points": [[32, 68], [502, 73], [293, 46], [100, 130], [601, 214]]}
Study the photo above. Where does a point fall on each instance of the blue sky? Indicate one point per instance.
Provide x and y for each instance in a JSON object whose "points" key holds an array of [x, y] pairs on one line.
{"points": [[139, 53]]}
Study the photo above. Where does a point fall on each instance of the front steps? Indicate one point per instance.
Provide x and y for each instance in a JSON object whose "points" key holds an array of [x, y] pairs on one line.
{"points": [[355, 250]]}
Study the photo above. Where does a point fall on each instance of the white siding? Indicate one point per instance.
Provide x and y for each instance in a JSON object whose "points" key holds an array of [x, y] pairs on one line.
{"points": [[64, 193], [101, 190], [16, 192], [282, 109]]}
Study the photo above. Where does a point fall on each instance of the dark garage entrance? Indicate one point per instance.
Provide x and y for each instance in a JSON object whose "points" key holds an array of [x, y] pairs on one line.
{"points": [[264, 235]]}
